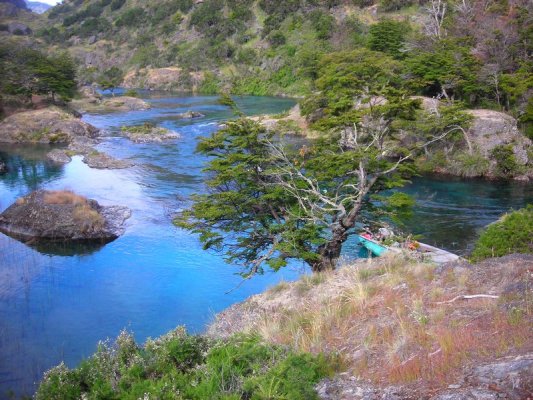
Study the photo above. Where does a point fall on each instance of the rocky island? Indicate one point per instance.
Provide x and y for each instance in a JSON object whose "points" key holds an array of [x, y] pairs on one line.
{"points": [[51, 125], [148, 133], [62, 216]]}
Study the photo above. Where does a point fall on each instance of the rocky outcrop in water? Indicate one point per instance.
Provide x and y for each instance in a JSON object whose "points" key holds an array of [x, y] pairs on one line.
{"points": [[48, 125], [189, 115], [3, 167], [99, 160], [114, 104], [148, 133], [62, 215]]}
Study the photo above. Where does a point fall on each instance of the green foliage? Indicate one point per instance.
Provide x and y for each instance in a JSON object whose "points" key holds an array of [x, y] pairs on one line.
{"points": [[513, 233], [394, 5], [210, 84], [177, 366], [131, 93], [388, 36], [449, 69], [506, 163], [111, 78], [26, 71], [469, 165], [131, 17], [117, 4]]}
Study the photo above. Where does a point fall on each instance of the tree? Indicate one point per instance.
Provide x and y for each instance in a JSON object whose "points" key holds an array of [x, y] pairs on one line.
{"points": [[56, 75], [111, 79], [388, 36], [268, 203]]}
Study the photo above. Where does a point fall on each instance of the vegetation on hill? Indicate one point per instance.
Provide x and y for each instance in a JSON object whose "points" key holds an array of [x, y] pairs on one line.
{"points": [[178, 366], [27, 71]]}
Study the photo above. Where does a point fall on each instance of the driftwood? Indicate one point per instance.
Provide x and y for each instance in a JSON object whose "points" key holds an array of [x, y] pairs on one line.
{"points": [[468, 297]]}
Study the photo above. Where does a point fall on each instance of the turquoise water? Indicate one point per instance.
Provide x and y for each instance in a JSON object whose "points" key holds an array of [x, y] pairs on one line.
{"points": [[56, 303]]}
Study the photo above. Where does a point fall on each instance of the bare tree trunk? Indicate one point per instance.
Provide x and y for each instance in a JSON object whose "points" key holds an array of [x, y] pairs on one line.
{"points": [[330, 252]]}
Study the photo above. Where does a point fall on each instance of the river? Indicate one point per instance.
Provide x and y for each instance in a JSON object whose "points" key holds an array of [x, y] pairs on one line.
{"points": [[57, 302]]}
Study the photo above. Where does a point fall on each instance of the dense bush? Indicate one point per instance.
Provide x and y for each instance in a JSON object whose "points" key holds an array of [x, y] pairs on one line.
{"points": [[388, 36], [506, 163], [177, 366], [131, 17], [513, 233]]}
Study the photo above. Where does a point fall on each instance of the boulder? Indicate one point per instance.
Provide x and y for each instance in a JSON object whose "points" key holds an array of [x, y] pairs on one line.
{"points": [[59, 156], [62, 216], [99, 160], [189, 115], [492, 128], [3, 167], [48, 125]]}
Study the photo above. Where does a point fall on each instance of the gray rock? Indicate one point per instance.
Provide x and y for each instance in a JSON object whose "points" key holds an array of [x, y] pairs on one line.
{"points": [[492, 128], [3, 167], [149, 134], [190, 115], [103, 161], [48, 125], [59, 156], [62, 216]]}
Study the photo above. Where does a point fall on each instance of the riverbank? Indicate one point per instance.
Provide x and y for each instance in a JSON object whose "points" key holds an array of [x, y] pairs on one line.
{"points": [[391, 327], [404, 327]]}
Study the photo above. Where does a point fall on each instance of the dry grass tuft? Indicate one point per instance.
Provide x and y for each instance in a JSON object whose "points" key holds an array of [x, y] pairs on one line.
{"points": [[63, 197], [88, 219]]}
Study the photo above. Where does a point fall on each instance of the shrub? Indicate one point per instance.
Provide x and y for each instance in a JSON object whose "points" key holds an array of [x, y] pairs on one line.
{"points": [[117, 4], [241, 367], [131, 93], [513, 233], [469, 165], [131, 17], [506, 164]]}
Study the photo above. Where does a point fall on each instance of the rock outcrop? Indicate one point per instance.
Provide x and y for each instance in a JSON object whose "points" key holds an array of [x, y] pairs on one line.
{"points": [[95, 103], [99, 160], [62, 216], [189, 115], [48, 125], [148, 134], [492, 128]]}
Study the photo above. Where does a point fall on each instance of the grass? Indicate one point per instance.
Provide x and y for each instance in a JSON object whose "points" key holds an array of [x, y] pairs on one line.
{"points": [[389, 320], [87, 218]]}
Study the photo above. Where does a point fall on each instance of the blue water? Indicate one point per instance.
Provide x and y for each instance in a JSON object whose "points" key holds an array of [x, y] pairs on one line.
{"points": [[56, 303]]}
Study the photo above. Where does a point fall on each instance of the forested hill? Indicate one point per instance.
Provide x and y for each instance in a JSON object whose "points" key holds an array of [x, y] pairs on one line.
{"points": [[269, 47]]}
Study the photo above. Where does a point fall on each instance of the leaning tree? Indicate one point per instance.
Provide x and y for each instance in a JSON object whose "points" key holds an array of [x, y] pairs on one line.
{"points": [[268, 203]]}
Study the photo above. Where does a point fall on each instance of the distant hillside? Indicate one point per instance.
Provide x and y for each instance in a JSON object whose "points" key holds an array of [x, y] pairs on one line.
{"points": [[38, 7], [267, 46], [16, 3]]}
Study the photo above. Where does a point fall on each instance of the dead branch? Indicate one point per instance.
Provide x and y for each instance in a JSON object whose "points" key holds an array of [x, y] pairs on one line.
{"points": [[468, 297]]}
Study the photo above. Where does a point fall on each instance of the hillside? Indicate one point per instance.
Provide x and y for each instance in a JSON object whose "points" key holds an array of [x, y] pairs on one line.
{"points": [[264, 47], [405, 329]]}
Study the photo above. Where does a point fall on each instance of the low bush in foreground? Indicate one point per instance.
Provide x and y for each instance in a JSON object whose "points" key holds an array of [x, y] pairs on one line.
{"points": [[513, 233], [181, 366]]}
